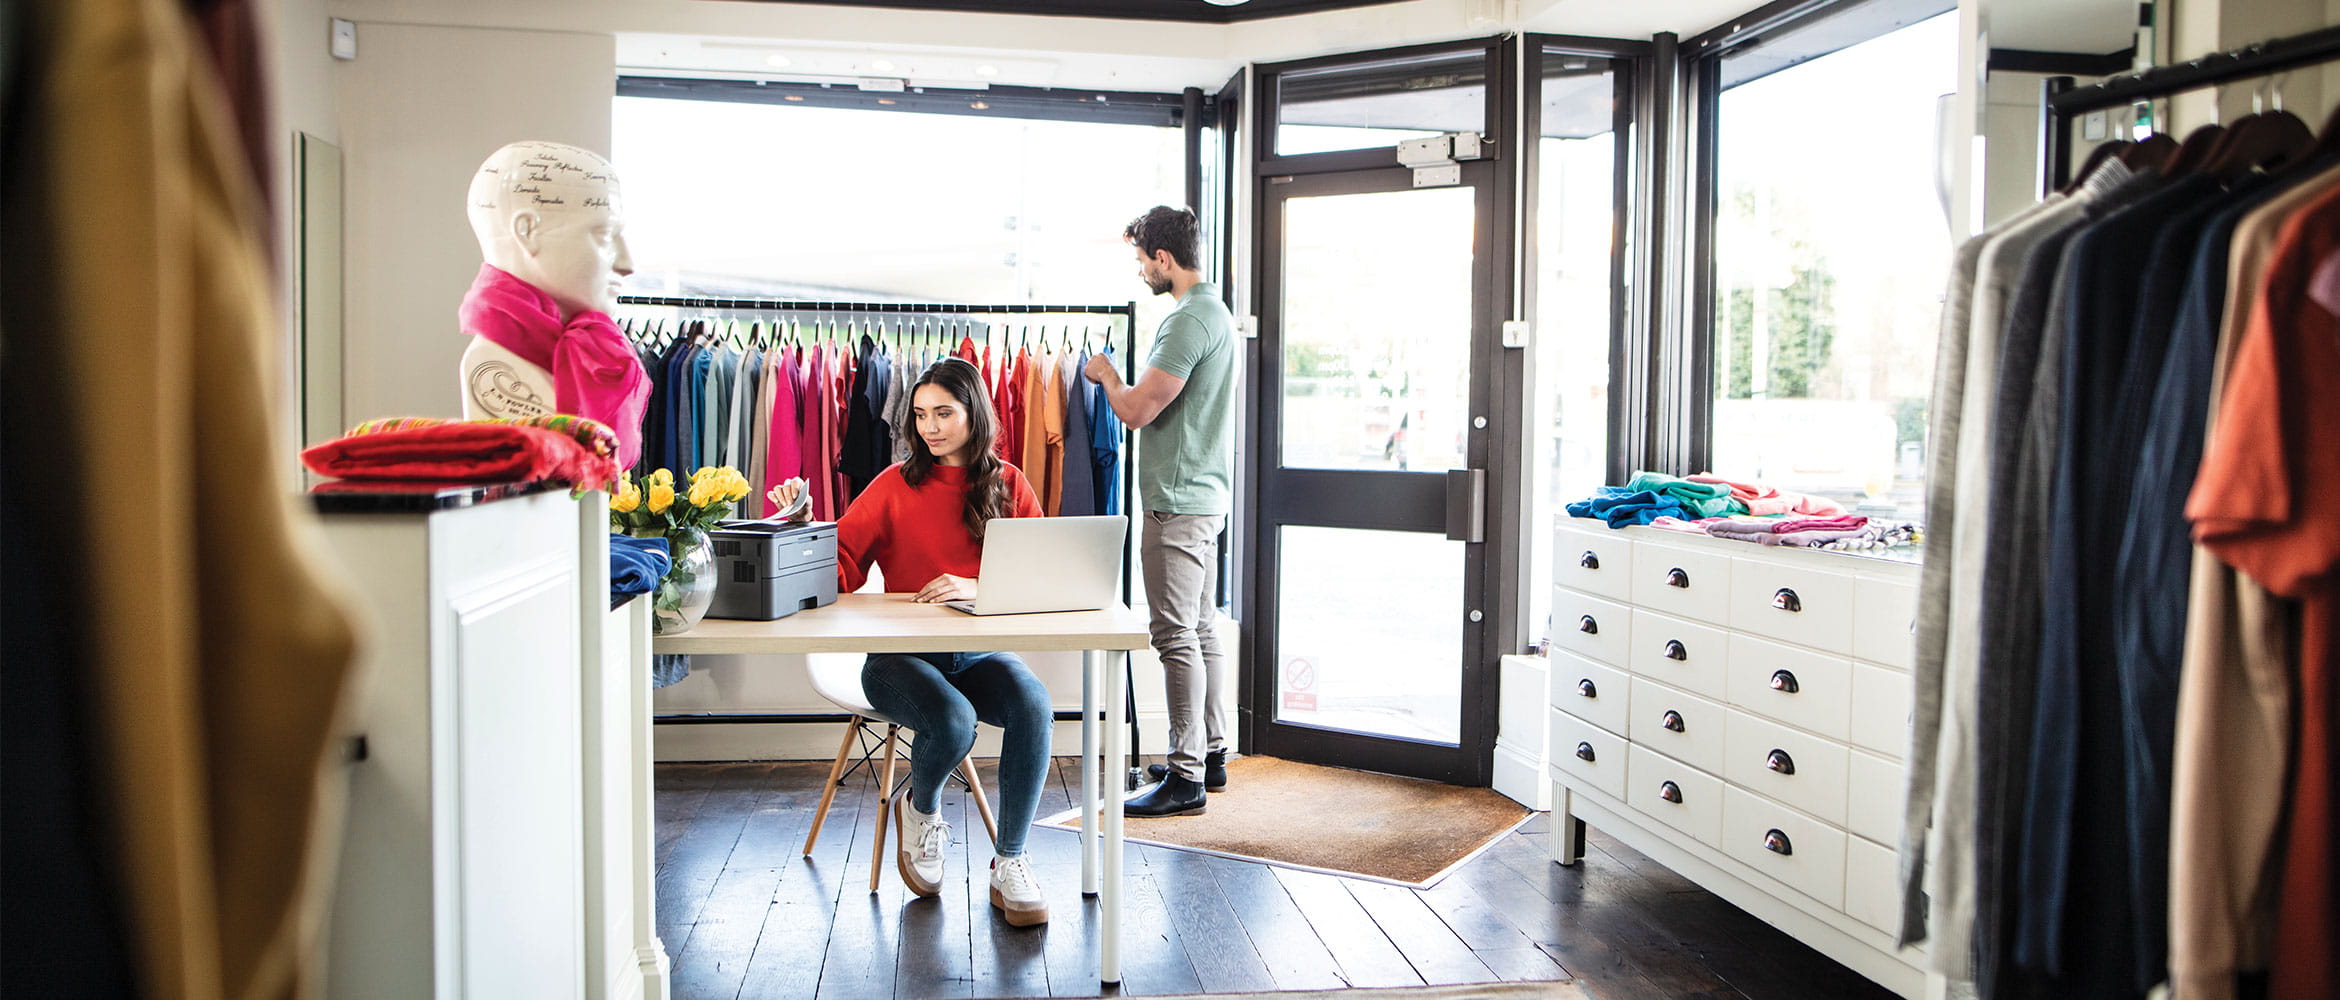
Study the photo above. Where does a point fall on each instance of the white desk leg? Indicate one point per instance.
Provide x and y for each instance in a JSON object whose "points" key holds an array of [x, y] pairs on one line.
{"points": [[1116, 747], [1092, 683]]}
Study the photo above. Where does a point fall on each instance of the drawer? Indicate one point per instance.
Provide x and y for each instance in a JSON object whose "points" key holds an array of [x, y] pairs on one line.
{"points": [[1885, 621], [1591, 627], [1573, 740], [1676, 794], [1591, 692], [1872, 885], [1590, 557], [1796, 686], [1799, 769], [1658, 708], [1796, 849], [1686, 655], [1873, 800], [1881, 704], [1681, 581], [1799, 604]]}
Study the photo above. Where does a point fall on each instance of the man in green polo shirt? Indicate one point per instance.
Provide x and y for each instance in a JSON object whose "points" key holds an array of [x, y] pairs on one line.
{"points": [[1184, 406]]}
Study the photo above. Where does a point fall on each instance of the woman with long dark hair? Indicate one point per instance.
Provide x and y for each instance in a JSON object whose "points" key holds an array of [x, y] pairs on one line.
{"points": [[921, 521]]}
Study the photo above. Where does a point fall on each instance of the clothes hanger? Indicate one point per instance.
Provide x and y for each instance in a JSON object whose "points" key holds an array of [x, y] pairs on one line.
{"points": [[2265, 140], [2096, 157]]}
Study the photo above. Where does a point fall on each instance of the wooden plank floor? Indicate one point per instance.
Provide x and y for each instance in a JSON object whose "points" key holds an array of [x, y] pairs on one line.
{"points": [[745, 915]]}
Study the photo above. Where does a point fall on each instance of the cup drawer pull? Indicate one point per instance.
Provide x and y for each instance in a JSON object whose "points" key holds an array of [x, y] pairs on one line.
{"points": [[1584, 751], [1778, 760], [1670, 792], [1589, 561], [1782, 680], [1672, 722], [1786, 600], [1677, 579], [1776, 842], [1676, 651], [1586, 688], [1587, 625]]}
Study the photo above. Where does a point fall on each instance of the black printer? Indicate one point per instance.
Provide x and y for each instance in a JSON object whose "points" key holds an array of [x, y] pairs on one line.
{"points": [[768, 569]]}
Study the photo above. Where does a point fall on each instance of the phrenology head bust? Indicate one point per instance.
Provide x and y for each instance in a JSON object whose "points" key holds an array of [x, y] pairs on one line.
{"points": [[548, 214]]}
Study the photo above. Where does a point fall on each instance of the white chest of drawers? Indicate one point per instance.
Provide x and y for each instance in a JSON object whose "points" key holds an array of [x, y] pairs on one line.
{"points": [[1738, 713]]}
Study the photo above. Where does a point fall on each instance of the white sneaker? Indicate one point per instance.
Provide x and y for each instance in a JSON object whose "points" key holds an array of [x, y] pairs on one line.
{"points": [[1016, 893], [920, 850]]}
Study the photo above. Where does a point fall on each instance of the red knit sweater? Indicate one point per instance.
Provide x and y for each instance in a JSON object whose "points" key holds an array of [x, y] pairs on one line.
{"points": [[917, 534]]}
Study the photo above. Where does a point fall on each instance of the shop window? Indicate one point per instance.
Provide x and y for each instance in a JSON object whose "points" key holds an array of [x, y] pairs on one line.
{"points": [[1380, 104], [731, 198], [1831, 235]]}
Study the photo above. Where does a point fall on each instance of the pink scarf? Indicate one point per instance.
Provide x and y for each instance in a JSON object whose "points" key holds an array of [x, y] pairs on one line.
{"points": [[594, 371]]}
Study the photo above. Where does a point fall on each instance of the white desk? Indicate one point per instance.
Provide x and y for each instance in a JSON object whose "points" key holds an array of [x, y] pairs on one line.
{"points": [[890, 623]]}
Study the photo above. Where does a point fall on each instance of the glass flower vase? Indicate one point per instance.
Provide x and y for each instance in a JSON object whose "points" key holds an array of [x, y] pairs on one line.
{"points": [[688, 587]]}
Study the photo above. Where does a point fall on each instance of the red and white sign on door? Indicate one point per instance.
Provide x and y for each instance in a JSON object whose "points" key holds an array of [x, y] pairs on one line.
{"points": [[1299, 684]]}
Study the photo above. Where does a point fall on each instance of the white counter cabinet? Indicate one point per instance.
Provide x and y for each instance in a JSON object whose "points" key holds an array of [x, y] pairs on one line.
{"points": [[497, 841], [1737, 712]]}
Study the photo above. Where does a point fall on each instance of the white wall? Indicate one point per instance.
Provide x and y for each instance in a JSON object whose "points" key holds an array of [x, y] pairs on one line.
{"points": [[302, 90], [420, 108]]}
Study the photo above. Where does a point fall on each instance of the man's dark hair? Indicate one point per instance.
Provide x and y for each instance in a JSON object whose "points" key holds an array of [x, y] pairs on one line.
{"points": [[1166, 228]]}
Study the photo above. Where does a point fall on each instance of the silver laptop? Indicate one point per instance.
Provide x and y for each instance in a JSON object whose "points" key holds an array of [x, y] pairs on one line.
{"points": [[1035, 564]]}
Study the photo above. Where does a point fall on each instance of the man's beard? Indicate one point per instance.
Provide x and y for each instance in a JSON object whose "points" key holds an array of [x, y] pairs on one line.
{"points": [[1158, 285]]}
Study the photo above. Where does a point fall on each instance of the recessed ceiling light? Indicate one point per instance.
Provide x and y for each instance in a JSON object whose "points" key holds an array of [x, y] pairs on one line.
{"points": [[885, 100], [986, 71], [1225, 3], [794, 97], [882, 65], [979, 106], [776, 59]]}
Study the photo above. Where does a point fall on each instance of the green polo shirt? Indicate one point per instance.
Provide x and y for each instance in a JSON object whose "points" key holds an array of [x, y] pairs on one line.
{"points": [[1186, 457]]}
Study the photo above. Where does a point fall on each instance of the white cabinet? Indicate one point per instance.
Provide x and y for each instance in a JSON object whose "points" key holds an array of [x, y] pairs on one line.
{"points": [[497, 841], [1754, 751]]}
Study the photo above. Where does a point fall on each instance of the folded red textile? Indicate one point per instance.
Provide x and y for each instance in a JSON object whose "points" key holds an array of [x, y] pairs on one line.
{"points": [[463, 452]]}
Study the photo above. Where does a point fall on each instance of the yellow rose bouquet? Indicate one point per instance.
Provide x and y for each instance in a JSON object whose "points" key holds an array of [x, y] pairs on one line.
{"points": [[652, 506]]}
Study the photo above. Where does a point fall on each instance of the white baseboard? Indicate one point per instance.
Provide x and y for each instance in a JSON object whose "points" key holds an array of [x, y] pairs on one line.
{"points": [[818, 741], [652, 971], [1519, 774]]}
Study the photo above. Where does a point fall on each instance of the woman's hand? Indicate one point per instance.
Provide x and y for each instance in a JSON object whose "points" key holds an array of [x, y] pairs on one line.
{"points": [[786, 494], [946, 588]]}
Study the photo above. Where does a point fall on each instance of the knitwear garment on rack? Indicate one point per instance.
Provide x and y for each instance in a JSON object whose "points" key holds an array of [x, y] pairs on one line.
{"points": [[418, 449], [594, 371]]}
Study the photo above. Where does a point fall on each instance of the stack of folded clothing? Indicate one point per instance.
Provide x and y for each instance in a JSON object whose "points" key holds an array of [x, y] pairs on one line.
{"points": [[571, 450], [1706, 504], [1756, 498]]}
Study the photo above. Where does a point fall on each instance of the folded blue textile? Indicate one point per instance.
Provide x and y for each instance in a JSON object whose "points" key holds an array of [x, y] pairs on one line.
{"points": [[1620, 506], [635, 564]]}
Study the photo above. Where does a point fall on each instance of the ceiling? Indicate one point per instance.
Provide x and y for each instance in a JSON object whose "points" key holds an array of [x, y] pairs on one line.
{"points": [[1133, 10]]}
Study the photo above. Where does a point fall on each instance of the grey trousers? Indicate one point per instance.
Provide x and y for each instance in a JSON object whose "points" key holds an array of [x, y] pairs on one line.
{"points": [[1180, 556]]}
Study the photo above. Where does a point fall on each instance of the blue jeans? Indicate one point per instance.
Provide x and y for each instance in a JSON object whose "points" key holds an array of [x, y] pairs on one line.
{"points": [[940, 696]]}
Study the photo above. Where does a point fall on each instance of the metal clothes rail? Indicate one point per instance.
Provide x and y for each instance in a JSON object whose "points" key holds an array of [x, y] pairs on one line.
{"points": [[2060, 100], [1125, 313]]}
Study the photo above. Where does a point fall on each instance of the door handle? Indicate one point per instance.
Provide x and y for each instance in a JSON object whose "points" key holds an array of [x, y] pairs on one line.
{"points": [[1466, 505]]}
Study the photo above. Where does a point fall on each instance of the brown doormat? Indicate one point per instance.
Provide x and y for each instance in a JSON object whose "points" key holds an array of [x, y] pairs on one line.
{"points": [[1404, 831]]}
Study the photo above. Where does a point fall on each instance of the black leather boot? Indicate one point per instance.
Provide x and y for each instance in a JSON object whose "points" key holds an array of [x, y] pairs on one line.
{"points": [[1175, 796], [1214, 770]]}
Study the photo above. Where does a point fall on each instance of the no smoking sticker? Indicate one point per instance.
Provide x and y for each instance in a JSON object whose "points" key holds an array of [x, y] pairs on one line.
{"points": [[1299, 684]]}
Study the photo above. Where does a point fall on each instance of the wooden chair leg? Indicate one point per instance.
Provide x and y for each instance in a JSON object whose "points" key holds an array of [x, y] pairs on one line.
{"points": [[829, 790], [982, 802], [886, 805]]}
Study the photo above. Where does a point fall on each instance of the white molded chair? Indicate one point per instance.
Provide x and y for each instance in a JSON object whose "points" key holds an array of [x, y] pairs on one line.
{"points": [[837, 677]]}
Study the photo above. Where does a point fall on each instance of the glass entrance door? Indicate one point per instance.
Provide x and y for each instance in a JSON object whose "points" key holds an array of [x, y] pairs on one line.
{"points": [[1370, 655]]}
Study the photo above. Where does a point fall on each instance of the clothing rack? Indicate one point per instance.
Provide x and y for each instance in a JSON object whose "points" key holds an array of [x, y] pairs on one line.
{"points": [[2060, 100], [1126, 317]]}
